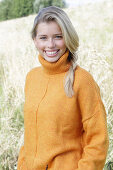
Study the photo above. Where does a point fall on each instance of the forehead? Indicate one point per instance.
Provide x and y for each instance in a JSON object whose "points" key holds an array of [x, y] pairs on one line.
{"points": [[48, 27]]}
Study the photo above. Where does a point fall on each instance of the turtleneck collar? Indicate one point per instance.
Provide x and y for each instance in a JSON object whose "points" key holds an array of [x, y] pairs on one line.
{"points": [[60, 66]]}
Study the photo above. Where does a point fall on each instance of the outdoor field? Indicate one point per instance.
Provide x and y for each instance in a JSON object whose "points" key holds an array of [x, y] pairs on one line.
{"points": [[18, 55]]}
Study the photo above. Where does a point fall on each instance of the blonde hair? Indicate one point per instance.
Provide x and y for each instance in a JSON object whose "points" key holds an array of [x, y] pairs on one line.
{"points": [[53, 13]]}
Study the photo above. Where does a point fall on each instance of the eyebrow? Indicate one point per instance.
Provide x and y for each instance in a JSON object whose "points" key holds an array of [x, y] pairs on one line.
{"points": [[39, 35], [46, 35]]}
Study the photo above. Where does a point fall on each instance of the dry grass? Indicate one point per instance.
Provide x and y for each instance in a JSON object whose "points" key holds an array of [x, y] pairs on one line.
{"points": [[18, 55]]}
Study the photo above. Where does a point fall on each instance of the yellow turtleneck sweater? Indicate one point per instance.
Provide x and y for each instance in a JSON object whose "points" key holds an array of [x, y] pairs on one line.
{"points": [[62, 133]]}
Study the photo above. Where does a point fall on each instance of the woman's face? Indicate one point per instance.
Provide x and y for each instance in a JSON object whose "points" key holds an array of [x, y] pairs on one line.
{"points": [[49, 41]]}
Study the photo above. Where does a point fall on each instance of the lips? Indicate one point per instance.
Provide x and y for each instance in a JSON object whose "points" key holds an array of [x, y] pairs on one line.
{"points": [[51, 53]]}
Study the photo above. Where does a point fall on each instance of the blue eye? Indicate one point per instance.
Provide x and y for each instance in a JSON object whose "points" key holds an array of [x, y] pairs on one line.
{"points": [[59, 36]]}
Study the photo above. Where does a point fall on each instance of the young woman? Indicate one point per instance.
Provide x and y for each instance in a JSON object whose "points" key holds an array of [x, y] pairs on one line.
{"points": [[64, 117]]}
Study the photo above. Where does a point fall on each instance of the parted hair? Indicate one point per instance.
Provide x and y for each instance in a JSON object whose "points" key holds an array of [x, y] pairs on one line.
{"points": [[53, 13]]}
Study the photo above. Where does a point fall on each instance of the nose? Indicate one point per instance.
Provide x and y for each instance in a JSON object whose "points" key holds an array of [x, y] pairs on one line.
{"points": [[51, 43]]}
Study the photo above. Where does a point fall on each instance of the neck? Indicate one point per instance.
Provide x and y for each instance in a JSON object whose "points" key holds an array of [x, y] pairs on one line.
{"points": [[62, 65]]}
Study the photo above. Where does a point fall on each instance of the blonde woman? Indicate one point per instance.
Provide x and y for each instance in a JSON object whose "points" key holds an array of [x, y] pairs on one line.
{"points": [[64, 117]]}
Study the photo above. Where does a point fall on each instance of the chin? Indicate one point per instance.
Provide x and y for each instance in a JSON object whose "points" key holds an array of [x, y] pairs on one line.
{"points": [[51, 59]]}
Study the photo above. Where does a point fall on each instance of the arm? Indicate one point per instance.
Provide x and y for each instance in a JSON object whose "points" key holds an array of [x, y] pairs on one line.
{"points": [[21, 160], [94, 139]]}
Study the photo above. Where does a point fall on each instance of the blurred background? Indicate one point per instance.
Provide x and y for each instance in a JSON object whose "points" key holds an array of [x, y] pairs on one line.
{"points": [[93, 21]]}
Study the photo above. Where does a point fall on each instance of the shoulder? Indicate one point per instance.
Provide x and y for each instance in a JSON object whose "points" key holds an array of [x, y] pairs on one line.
{"points": [[33, 73], [88, 94], [84, 80], [83, 75], [32, 77]]}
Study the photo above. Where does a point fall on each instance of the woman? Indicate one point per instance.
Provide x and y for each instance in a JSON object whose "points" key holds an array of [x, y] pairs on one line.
{"points": [[64, 117]]}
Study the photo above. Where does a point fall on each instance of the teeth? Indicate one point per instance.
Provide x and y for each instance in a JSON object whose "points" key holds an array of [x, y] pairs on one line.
{"points": [[51, 53]]}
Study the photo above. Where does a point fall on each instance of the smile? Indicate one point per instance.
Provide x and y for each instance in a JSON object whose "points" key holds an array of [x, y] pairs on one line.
{"points": [[51, 53]]}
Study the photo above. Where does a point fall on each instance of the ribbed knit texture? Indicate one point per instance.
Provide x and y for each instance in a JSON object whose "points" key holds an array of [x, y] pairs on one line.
{"points": [[62, 65], [62, 133]]}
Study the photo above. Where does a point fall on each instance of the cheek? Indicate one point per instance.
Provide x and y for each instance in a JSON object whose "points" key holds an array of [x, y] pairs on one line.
{"points": [[39, 45], [61, 44]]}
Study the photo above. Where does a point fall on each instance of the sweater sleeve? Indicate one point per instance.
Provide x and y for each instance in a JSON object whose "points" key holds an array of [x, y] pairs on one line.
{"points": [[21, 160], [94, 137]]}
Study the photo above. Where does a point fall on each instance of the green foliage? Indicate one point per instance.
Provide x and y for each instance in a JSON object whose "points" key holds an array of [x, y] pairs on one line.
{"points": [[10, 9], [38, 4], [1, 90], [8, 157], [15, 8], [17, 119], [1, 76], [5, 9], [22, 8], [109, 166], [16, 122]]}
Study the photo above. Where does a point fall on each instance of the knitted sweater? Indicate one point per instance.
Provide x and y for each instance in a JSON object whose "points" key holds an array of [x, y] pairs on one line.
{"points": [[62, 133]]}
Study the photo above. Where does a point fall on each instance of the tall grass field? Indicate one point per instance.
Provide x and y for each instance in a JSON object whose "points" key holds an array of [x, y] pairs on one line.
{"points": [[18, 55]]}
